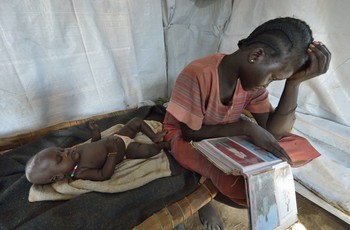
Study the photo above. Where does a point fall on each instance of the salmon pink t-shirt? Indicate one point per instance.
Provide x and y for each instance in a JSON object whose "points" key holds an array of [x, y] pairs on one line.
{"points": [[195, 99]]}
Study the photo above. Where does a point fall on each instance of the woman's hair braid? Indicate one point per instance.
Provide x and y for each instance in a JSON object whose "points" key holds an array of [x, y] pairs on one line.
{"points": [[286, 38]]}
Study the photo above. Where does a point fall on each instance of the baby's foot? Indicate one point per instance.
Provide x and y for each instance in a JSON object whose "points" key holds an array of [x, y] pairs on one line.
{"points": [[159, 136], [164, 145], [210, 218]]}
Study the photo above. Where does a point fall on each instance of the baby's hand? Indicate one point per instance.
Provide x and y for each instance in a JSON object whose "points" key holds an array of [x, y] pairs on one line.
{"points": [[159, 136], [92, 125]]}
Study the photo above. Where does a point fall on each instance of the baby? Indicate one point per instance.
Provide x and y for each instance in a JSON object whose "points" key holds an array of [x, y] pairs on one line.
{"points": [[96, 160]]}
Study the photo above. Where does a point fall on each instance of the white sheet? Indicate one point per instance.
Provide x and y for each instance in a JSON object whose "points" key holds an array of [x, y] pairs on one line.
{"points": [[192, 29], [64, 60]]}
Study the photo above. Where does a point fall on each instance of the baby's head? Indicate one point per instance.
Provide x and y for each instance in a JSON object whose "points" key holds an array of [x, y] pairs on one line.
{"points": [[50, 165]]}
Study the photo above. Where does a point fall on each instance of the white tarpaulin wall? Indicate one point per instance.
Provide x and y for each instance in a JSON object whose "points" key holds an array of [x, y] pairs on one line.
{"points": [[63, 60]]}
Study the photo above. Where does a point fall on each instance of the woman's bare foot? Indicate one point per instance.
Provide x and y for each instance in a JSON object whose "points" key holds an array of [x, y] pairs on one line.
{"points": [[210, 218], [180, 227]]}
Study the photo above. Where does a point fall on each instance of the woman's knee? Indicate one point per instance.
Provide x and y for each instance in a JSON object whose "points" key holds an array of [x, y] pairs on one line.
{"points": [[233, 187]]}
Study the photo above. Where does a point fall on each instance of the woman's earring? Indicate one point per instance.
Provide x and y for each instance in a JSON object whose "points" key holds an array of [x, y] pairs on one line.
{"points": [[251, 60]]}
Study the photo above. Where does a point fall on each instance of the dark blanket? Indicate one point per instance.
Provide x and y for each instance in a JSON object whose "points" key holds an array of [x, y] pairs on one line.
{"points": [[92, 210]]}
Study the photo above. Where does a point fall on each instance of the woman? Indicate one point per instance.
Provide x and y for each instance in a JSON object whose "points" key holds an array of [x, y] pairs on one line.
{"points": [[210, 94]]}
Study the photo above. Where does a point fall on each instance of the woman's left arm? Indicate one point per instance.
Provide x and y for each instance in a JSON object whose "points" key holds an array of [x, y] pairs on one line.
{"points": [[282, 119]]}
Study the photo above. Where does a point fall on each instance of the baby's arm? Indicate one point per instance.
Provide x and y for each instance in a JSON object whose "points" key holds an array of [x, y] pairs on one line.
{"points": [[136, 125], [95, 131]]}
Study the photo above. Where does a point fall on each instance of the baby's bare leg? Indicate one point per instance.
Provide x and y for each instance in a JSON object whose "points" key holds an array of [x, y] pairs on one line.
{"points": [[136, 125], [137, 150]]}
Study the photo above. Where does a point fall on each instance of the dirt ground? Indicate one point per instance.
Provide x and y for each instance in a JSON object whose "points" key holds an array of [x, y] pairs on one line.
{"points": [[234, 219], [310, 216]]}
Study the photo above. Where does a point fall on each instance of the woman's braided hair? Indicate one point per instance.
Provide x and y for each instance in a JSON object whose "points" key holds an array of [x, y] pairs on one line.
{"points": [[284, 38]]}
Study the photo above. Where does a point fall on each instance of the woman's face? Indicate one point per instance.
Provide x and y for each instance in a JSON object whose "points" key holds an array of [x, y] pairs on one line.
{"points": [[259, 75]]}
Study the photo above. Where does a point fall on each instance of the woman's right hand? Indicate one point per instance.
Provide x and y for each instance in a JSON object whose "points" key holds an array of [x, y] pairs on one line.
{"points": [[319, 60], [264, 139]]}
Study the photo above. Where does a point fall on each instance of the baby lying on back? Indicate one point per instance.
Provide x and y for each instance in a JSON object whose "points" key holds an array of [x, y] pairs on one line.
{"points": [[96, 160]]}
